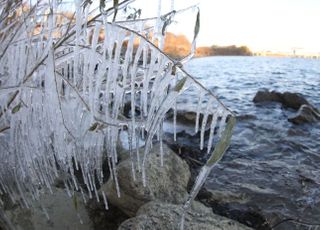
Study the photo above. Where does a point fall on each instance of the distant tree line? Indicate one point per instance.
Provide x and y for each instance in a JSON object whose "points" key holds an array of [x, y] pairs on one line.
{"points": [[223, 51], [230, 50]]}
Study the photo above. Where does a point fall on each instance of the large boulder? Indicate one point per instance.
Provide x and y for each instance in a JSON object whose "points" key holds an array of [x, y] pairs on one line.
{"points": [[164, 216], [287, 99], [306, 114], [167, 183], [293, 100], [63, 213], [265, 96]]}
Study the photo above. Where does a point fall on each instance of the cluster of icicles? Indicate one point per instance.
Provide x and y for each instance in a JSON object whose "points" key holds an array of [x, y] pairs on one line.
{"points": [[69, 102]]}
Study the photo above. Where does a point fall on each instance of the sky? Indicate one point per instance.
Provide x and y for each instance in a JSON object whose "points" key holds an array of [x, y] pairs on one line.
{"points": [[262, 25]]}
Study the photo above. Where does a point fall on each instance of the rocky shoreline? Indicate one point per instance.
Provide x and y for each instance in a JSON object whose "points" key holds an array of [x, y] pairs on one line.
{"points": [[242, 196]]}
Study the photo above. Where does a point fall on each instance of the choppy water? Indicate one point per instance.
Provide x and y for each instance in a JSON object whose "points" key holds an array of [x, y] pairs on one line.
{"points": [[272, 161]]}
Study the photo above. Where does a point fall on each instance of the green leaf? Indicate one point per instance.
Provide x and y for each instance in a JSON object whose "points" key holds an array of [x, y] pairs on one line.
{"points": [[223, 144], [180, 84], [16, 108], [94, 126], [197, 26]]}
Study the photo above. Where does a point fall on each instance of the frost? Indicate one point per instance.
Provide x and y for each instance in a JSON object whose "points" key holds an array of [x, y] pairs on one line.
{"points": [[64, 83]]}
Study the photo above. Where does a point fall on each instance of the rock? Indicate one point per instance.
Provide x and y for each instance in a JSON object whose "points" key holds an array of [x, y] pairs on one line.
{"points": [[105, 219], [61, 209], [167, 183], [293, 100], [287, 99], [162, 216], [187, 118], [263, 96], [246, 117], [306, 114], [262, 193]]}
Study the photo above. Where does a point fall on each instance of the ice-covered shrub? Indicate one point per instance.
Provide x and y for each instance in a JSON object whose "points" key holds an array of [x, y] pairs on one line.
{"points": [[65, 78]]}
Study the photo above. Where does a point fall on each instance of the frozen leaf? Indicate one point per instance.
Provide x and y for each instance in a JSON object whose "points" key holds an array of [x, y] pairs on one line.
{"points": [[16, 108], [197, 26], [94, 127], [180, 84]]}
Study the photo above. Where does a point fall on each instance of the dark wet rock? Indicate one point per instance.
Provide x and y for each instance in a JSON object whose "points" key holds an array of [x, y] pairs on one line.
{"points": [[105, 219], [262, 194], [287, 99], [220, 202], [246, 117], [187, 146], [187, 118], [306, 114], [293, 100], [167, 183], [61, 210], [164, 216], [264, 96]]}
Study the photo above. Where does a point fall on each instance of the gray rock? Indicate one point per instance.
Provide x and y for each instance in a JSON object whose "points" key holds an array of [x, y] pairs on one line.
{"points": [[62, 211], [187, 118], [167, 183], [264, 96], [162, 216], [293, 100], [287, 99], [261, 194], [306, 114]]}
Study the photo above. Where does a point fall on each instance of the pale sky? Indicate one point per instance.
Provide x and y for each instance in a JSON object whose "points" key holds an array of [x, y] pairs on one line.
{"points": [[276, 25]]}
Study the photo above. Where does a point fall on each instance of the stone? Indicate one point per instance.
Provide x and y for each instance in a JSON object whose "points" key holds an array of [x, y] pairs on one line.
{"points": [[62, 211], [165, 216], [287, 99], [293, 100], [105, 219], [265, 95], [263, 193], [246, 117], [167, 183], [306, 114], [187, 118]]}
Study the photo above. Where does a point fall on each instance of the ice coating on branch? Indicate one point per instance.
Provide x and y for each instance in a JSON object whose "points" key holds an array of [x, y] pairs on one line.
{"points": [[64, 93]]}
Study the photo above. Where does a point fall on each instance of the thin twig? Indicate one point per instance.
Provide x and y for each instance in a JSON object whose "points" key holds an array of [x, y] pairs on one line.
{"points": [[4, 129], [77, 92], [60, 106]]}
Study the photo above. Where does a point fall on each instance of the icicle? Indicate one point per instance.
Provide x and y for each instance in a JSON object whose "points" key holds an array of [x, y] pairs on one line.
{"points": [[137, 148], [204, 172], [204, 123], [79, 217], [83, 196], [161, 144], [130, 141], [105, 200], [212, 128], [222, 123], [45, 212], [199, 106], [166, 104]]}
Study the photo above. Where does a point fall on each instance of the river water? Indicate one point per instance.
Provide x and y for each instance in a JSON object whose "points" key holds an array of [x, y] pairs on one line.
{"points": [[272, 166]]}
